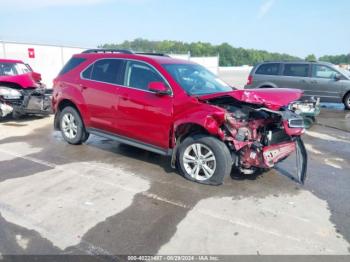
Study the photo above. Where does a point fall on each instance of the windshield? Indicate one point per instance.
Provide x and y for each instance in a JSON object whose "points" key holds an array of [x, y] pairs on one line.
{"points": [[196, 80], [13, 69], [8, 69], [344, 72]]}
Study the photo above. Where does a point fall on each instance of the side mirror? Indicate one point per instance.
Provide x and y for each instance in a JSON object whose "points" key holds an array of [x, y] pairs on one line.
{"points": [[337, 77], [159, 88]]}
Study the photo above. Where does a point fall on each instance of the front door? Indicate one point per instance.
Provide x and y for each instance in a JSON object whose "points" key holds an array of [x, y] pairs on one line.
{"points": [[143, 115], [324, 83]]}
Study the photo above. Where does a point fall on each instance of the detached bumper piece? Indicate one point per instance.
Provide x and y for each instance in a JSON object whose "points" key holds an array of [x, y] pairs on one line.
{"points": [[36, 102]]}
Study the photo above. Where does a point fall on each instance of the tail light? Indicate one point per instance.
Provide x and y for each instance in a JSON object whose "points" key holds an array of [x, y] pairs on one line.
{"points": [[250, 80]]}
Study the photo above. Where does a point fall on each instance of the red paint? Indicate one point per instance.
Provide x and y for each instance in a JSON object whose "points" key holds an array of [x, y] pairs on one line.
{"points": [[272, 98], [31, 52], [25, 81], [158, 119]]}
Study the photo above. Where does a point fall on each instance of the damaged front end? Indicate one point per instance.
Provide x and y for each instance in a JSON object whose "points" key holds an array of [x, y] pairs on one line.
{"points": [[24, 101], [260, 132]]}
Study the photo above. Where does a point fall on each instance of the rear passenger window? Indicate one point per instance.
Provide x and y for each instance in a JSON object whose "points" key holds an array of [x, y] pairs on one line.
{"points": [[108, 71], [301, 70], [268, 69], [139, 75], [71, 64]]}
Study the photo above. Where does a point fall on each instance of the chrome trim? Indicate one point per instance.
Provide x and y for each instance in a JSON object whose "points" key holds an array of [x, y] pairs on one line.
{"points": [[126, 59]]}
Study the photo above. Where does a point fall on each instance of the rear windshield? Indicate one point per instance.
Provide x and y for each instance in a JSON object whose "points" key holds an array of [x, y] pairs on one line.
{"points": [[71, 64]]}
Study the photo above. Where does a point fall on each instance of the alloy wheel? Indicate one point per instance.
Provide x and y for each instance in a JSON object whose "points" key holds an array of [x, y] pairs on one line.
{"points": [[199, 161], [69, 126]]}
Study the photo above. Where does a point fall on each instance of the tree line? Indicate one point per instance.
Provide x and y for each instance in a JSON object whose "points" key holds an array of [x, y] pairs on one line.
{"points": [[336, 59], [228, 55]]}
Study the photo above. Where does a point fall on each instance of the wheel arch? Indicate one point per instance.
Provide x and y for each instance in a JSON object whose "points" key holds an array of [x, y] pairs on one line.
{"points": [[61, 105], [268, 85]]}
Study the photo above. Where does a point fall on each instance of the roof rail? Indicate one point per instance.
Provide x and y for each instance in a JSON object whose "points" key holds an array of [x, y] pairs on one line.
{"points": [[149, 53], [103, 50]]}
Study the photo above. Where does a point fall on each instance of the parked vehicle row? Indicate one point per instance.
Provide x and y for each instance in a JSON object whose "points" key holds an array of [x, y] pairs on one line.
{"points": [[177, 108], [320, 79], [21, 90]]}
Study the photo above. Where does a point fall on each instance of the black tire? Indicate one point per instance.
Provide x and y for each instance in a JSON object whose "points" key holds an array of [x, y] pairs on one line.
{"points": [[347, 101], [80, 135], [223, 161]]}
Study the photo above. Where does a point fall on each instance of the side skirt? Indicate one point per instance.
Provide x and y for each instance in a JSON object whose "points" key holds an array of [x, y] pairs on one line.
{"points": [[131, 142]]}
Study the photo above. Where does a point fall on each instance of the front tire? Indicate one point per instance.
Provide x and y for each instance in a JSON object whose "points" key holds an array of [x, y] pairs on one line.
{"points": [[347, 101], [204, 159], [72, 126]]}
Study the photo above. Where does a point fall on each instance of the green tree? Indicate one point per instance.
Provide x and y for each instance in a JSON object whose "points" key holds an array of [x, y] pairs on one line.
{"points": [[229, 55], [311, 57]]}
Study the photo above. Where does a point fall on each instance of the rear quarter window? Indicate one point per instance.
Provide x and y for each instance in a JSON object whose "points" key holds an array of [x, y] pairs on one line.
{"points": [[268, 69], [71, 64]]}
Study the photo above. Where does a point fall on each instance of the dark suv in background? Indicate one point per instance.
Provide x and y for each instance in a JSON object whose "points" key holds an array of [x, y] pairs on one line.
{"points": [[319, 79]]}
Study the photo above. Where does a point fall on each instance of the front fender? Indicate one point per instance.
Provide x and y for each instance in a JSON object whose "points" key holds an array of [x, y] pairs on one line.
{"points": [[209, 120]]}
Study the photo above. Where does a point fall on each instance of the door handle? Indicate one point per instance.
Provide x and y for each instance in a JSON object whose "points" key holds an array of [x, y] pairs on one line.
{"points": [[313, 82], [125, 98], [303, 81], [83, 87]]}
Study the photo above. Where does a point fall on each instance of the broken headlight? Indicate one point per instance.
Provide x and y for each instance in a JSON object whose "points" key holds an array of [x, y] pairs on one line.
{"points": [[9, 93]]}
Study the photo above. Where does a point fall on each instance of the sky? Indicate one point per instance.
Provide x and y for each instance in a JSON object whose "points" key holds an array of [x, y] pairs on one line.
{"points": [[295, 27]]}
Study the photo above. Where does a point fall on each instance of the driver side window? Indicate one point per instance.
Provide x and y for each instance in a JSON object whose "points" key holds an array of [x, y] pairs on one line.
{"points": [[320, 71], [139, 75]]}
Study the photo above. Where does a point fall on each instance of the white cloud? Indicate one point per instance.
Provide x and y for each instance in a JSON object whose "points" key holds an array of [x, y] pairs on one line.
{"points": [[265, 8]]}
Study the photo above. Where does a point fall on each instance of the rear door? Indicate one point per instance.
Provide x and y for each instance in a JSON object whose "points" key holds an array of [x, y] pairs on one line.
{"points": [[143, 115], [296, 75], [99, 86], [324, 83]]}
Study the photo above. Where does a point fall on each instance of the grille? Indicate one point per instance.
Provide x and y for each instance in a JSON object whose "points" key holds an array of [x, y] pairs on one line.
{"points": [[296, 123]]}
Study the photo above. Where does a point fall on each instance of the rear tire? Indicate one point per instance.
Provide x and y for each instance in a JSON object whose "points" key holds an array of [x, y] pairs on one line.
{"points": [[72, 126], [204, 159], [347, 101]]}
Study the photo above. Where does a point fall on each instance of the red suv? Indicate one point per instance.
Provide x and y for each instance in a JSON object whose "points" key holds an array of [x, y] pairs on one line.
{"points": [[177, 108]]}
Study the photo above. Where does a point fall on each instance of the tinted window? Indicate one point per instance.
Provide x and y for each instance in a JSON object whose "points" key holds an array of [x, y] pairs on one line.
{"points": [[71, 64], [8, 69], [268, 69], [139, 75], [108, 70], [321, 71], [301, 70], [87, 72]]}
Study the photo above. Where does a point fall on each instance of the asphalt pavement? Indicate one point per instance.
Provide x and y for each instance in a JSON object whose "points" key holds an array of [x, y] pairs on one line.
{"points": [[111, 199]]}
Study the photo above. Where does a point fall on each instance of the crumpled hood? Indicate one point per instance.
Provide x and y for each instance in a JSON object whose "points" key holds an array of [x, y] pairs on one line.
{"points": [[272, 98]]}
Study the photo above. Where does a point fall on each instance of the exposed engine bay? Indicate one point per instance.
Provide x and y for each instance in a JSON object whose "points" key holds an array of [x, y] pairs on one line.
{"points": [[260, 137], [24, 101]]}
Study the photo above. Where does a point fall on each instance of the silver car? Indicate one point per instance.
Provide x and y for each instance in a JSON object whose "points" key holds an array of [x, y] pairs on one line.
{"points": [[319, 79]]}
